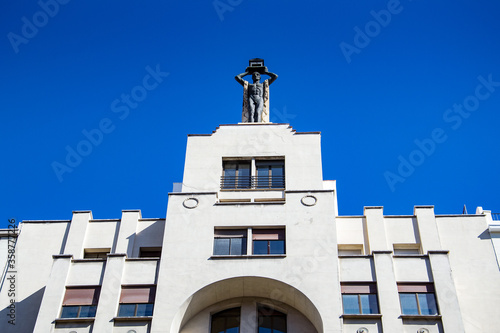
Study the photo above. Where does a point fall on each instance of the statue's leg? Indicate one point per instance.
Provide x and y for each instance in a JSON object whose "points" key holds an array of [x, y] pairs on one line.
{"points": [[258, 109], [251, 110]]}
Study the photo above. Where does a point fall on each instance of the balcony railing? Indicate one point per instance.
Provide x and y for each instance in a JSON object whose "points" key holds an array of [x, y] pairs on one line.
{"points": [[252, 182], [495, 216]]}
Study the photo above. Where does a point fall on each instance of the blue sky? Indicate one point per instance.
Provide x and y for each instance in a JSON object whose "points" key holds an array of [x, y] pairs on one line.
{"points": [[405, 93]]}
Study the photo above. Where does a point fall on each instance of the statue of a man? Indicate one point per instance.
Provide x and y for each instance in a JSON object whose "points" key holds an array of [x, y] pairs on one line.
{"points": [[256, 97]]}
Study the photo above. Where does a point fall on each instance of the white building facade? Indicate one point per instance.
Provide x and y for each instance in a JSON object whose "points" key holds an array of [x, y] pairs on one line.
{"points": [[252, 242]]}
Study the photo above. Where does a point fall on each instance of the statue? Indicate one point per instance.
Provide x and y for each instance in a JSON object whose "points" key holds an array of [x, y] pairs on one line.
{"points": [[256, 94]]}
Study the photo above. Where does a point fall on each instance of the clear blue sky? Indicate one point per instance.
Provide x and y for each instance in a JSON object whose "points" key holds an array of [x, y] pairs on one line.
{"points": [[374, 77]]}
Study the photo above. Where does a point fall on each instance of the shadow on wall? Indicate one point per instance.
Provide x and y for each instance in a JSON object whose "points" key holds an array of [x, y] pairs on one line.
{"points": [[23, 314]]}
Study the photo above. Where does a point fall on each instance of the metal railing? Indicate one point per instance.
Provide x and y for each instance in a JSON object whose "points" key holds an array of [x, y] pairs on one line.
{"points": [[495, 216], [252, 182]]}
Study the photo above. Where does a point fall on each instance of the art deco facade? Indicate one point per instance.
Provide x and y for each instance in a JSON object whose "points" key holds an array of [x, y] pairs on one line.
{"points": [[252, 242]]}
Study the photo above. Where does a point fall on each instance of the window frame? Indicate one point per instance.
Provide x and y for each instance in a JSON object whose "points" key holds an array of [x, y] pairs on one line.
{"points": [[68, 302], [230, 234], [94, 253], [150, 299], [417, 289], [359, 289], [263, 312], [280, 234], [254, 181], [220, 314]]}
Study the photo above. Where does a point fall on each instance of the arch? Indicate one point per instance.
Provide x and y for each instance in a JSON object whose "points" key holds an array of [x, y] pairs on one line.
{"points": [[246, 286]]}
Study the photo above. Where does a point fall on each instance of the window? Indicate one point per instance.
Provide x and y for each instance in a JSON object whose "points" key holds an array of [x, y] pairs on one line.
{"points": [[253, 174], [236, 175], [268, 241], [271, 321], [80, 302], [359, 298], [227, 321], [136, 301], [270, 174], [230, 242], [417, 299], [406, 249], [96, 253], [350, 249], [150, 252]]}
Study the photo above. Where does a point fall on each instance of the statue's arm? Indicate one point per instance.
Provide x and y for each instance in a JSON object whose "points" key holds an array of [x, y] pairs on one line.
{"points": [[272, 76], [239, 78]]}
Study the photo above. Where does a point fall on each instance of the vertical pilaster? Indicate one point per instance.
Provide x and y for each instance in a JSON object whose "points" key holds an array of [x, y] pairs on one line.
{"points": [[387, 291], [375, 227], [446, 293], [53, 294], [248, 322], [107, 307], [77, 232], [427, 228], [126, 234]]}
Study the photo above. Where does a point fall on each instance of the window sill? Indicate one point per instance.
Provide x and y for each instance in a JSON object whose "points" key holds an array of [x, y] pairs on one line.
{"points": [[250, 256], [362, 316], [241, 202], [137, 318], [355, 256], [420, 316], [74, 320]]}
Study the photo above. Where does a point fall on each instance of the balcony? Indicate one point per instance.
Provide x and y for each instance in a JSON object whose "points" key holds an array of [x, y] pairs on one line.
{"points": [[252, 182], [495, 216]]}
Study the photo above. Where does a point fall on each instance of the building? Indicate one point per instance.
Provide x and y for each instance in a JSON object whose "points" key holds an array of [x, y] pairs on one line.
{"points": [[252, 242]]}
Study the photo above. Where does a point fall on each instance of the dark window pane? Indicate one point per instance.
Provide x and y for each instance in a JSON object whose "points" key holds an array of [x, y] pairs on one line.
{"points": [[277, 176], [221, 246], [351, 305], [227, 321], [126, 310], [69, 312], [369, 303], [427, 304], [88, 310], [277, 247], [145, 309], [408, 304], [264, 330], [279, 324], [238, 246], [260, 247], [244, 170], [265, 322]]}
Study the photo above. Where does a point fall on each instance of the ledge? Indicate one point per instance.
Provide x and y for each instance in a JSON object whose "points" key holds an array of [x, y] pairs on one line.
{"points": [[250, 256], [192, 193], [437, 252], [144, 259], [74, 320], [139, 318], [355, 256], [62, 256], [436, 317], [362, 316], [89, 260], [410, 256], [250, 203]]}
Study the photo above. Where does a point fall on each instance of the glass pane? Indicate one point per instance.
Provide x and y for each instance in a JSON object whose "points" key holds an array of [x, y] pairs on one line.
{"points": [[243, 176], [265, 322], [221, 246], [88, 310], [232, 322], [263, 177], [279, 324], [218, 324], [264, 330], [277, 177], [238, 246], [233, 330], [126, 310], [260, 247], [69, 312], [408, 304], [145, 309], [351, 305], [277, 247], [369, 303], [427, 304]]}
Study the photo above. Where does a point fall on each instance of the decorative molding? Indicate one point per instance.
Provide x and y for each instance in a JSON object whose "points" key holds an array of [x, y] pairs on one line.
{"points": [[422, 330], [362, 330], [309, 200], [190, 203]]}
